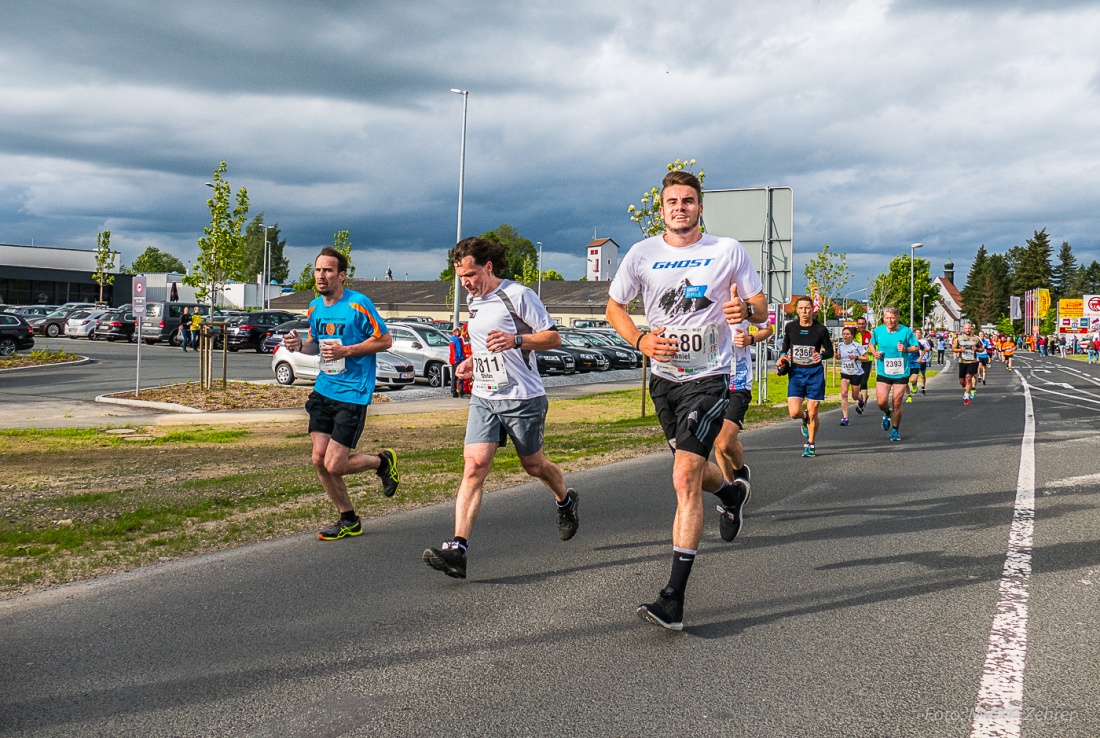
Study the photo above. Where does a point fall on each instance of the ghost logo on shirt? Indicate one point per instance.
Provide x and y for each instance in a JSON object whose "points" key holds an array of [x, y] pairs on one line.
{"points": [[686, 298]]}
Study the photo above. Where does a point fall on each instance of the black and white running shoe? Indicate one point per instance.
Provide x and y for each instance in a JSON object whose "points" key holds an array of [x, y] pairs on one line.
{"points": [[667, 611], [568, 519], [448, 558]]}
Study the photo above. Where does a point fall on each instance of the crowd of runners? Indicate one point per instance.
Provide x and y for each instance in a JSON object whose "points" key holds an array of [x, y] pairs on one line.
{"points": [[704, 304]]}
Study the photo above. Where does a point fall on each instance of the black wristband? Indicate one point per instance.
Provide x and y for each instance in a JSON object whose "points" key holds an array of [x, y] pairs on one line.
{"points": [[638, 343]]}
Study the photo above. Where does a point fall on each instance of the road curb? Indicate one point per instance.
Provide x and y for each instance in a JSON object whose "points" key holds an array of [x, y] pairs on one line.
{"points": [[168, 406], [78, 362]]}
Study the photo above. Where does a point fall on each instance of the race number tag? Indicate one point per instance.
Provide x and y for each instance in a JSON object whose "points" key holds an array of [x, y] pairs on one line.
{"points": [[893, 367], [802, 355], [489, 371], [332, 367], [968, 355], [697, 352], [849, 366]]}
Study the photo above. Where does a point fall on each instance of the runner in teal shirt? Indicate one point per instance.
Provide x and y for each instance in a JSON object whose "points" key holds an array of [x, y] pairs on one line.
{"points": [[891, 343]]}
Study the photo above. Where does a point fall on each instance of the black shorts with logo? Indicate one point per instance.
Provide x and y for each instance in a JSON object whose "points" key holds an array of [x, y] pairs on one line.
{"points": [[341, 420], [739, 403], [966, 370], [691, 412]]}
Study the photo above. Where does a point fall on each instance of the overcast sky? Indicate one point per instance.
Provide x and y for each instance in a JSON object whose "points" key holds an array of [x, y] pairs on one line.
{"points": [[950, 123]]}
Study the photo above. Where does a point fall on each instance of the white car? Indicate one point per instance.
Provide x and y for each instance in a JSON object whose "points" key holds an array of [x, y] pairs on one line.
{"points": [[81, 324], [393, 371]]}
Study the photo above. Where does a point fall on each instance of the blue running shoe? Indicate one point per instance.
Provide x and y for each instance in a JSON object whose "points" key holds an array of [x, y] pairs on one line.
{"points": [[805, 429], [894, 435], [808, 451], [886, 422]]}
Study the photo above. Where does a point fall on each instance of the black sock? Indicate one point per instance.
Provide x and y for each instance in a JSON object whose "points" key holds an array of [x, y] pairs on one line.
{"points": [[349, 516], [682, 559], [462, 543], [567, 503], [726, 494]]}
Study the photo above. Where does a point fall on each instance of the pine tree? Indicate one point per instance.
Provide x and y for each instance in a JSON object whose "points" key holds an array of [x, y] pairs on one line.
{"points": [[1064, 273], [974, 290]]}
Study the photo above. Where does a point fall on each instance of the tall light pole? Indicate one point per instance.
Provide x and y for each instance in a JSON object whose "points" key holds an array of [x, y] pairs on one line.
{"points": [[912, 257], [213, 258], [847, 313], [265, 271], [540, 269], [923, 314], [461, 182]]}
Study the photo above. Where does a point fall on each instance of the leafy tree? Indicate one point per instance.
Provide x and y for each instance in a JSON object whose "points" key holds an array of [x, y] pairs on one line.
{"points": [[306, 280], [104, 260], [153, 260], [220, 249], [529, 273], [252, 258], [1064, 274], [891, 288], [1000, 282], [827, 273], [551, 275], [857, 310], [341, 241], [648, 214], [517, 250]]}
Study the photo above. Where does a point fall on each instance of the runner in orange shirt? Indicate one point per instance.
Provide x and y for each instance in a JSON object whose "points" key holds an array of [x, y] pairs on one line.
{"points": [[1008, 348]]}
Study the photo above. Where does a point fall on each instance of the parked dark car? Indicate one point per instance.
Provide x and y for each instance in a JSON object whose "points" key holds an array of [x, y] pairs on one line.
{"points": [[115, 325], [162, 320], [15, 334], [555, 361], [273, 339], [250, 330], [589, 358], [618, 357], [32, 311]]}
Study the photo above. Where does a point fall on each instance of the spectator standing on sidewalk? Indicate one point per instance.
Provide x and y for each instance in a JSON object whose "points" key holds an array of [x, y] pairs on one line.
{"points": [[185, 328], [458, 355]]}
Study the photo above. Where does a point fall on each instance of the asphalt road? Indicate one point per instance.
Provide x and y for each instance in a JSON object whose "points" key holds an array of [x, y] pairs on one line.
{"points": [[858, 601]]}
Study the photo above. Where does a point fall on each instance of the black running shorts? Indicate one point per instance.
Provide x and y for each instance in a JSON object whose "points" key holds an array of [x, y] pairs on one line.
{"points": [[739, 403], [691, 412], [966, 370], [341, 420], [866, 365]]}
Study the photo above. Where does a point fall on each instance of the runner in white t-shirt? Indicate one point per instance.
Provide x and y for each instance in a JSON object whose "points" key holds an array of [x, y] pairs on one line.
{"points": [[508, 323], [692, 285], [851, 356]]}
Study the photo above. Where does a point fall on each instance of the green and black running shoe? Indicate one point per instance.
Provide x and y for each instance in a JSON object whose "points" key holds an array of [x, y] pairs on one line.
{"points": [[388, 473], [342, 529]]}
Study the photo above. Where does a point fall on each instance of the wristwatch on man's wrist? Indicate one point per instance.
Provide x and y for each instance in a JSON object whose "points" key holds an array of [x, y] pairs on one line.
{"points": [[519, 341], [749, 310]]}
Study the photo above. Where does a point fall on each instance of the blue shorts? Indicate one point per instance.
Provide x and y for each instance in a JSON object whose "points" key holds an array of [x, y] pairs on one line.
{"points": [[807, 382]]}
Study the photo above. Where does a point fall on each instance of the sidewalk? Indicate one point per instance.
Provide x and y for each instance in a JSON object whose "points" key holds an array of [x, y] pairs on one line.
{"points": [[21, 413]]}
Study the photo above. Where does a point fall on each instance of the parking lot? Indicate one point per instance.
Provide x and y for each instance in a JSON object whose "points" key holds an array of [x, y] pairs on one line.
{"points": [[113, 368]]}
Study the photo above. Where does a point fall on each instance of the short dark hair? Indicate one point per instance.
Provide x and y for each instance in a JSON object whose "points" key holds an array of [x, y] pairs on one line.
{"points": [[483, 251], [804, 298], [680, 177], [341, 260]]}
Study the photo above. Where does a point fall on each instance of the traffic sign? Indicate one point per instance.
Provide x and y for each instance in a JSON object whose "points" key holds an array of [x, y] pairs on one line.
{"points": [[138, 295]]}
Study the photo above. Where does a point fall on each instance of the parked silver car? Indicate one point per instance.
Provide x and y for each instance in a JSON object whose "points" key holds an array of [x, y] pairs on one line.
{"points": [[428, 349], [393, 371], [81, 324]]}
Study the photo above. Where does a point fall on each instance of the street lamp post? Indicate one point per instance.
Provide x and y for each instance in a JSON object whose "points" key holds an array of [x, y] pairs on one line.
{"points": [[912, 258], [265, 271], [848, 314], [540, 269], [923, 314], [461, 182], [213, 259]]}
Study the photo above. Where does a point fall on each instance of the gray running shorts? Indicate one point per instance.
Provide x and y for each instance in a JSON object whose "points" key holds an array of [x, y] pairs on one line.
{"points": [[495, 421]]}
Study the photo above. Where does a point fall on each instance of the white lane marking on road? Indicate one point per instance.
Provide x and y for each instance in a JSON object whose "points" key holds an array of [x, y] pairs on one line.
{"points": [[998, 710], [1063, 385], [1084, 397], [1082, 481]]}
